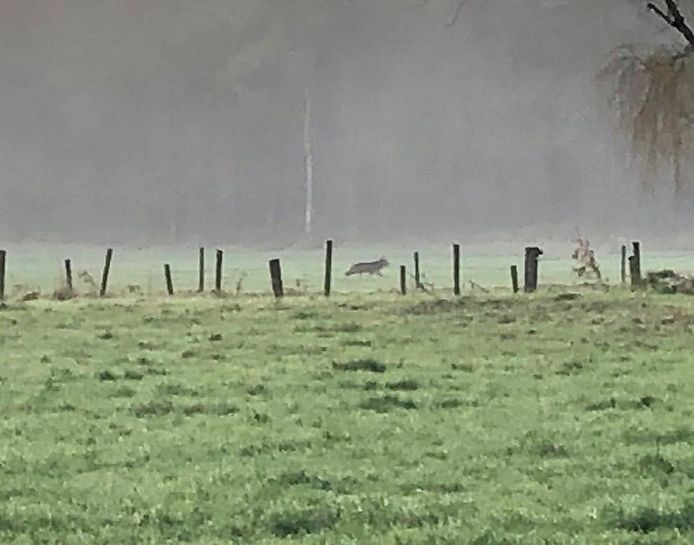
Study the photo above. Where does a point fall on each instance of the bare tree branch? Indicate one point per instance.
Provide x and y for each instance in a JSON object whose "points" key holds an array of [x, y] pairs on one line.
{"points": [[675, 19], [659, 12], [456, 15]]}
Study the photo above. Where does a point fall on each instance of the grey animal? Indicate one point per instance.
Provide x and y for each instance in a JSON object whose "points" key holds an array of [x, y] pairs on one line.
{"points": [[368, 267]]}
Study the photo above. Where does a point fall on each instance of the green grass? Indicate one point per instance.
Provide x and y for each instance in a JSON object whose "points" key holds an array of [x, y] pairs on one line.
{"points": [[368, 419]]}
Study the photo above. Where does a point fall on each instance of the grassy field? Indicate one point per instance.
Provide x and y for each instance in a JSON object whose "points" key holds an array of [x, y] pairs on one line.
{"points": [[368, 419]]}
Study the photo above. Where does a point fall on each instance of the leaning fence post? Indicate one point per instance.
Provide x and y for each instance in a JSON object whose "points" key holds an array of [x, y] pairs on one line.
{"points": [[531, 255], [456, 269], [218, 273], [3, 264], [636, 279], [417, 277], [328, 267], [201, 270], [514, 278], [169, 280], [403, 280], [276, 277], [107, 269], [68, 274]]}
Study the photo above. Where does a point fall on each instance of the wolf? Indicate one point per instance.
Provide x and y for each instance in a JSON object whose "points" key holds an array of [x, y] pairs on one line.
{"points": [[369, 267]]}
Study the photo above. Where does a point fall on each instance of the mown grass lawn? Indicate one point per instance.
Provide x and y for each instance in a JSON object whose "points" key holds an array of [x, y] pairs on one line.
{"points": [[368, 419]]}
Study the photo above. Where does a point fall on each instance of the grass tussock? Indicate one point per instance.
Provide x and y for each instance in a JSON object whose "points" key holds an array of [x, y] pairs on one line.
{"points": [[164, 407], [647, 519], [405, 385], [387, 403], [367, 365]]}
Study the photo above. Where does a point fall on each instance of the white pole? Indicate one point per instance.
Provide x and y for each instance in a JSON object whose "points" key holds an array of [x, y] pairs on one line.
{"points": [[308, 157]]}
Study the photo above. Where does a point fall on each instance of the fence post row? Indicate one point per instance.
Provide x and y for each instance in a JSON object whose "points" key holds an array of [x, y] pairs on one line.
{"points": [[218, 272], [68, 274], [417, 276], [623, 267], [514, 278], [276, 277], [107, 270], [201, 270], [456, 269], [629, 265], [633, 272], [636, 279], [532, 253], [3, 264], [169, 280], [327, 286]]}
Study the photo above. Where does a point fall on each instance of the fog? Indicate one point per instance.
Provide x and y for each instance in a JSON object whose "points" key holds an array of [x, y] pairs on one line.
{"points": [[182, 120]]}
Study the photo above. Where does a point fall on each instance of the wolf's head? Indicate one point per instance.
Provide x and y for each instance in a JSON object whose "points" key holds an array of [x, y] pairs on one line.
{"points": [[383, 261]]}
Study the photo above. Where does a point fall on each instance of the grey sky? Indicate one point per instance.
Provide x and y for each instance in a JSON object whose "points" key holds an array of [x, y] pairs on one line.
{"points": [[182, 120]]}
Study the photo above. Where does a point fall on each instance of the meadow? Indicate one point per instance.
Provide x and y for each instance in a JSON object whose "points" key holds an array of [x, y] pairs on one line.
{"points": [[560, 418]]}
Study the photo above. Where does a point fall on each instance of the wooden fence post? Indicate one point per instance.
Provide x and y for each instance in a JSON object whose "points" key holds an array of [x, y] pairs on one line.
{"points": [[169, 280], [633, 272], [456, 269], [201, 270], [636, 281], [3, 265], [276, 277], [623, 270], [403, 280], [327, 286], [218, 273], [417, 277], [531, 255], [68, 274], [107, 270], [514, 278]]}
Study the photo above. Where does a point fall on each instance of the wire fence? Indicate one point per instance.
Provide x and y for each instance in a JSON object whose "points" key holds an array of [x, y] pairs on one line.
{"points": [[41, 269]]}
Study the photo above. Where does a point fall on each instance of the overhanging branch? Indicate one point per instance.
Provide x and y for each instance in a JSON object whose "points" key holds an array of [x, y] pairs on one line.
{"points": [[659, 12], [458, 10], [675, 19]]}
